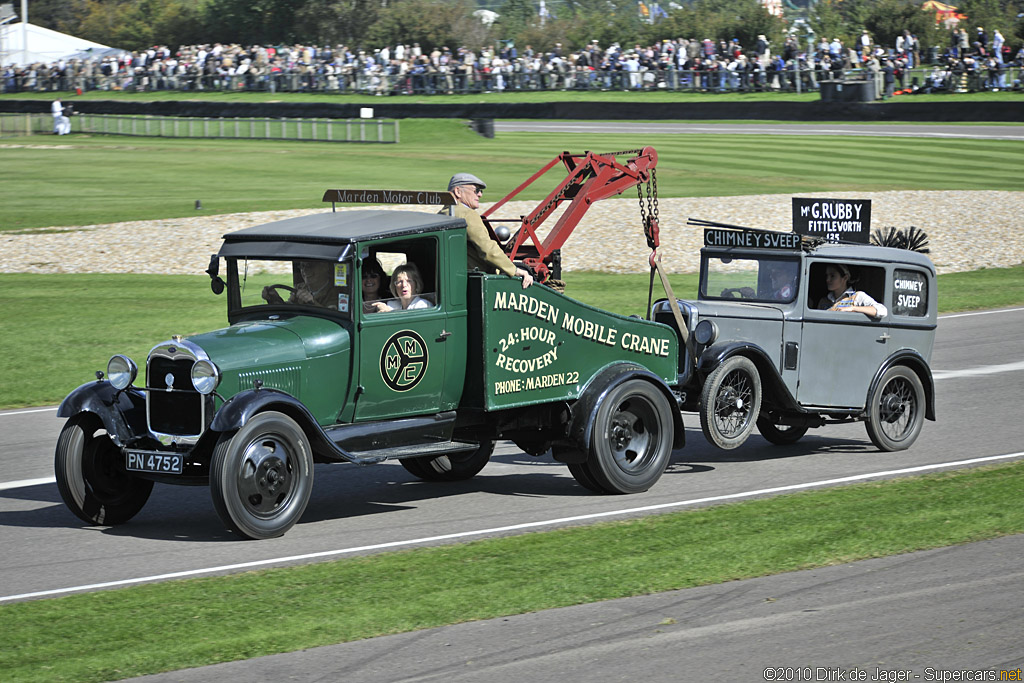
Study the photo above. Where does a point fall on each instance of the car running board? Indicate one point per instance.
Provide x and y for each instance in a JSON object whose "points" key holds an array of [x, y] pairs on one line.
{"points": [[415, 451]]}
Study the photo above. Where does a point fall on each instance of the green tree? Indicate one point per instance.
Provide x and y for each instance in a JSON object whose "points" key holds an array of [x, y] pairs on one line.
{"points": [[267, 22], [335, 21], [431, 23]]}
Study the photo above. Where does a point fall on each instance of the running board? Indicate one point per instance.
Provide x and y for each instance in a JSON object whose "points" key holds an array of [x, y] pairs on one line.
{"points": [[417, 451]]}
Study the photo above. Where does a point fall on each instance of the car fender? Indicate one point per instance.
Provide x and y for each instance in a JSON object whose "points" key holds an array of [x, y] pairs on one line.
{"points": [[245, 405], [916, 362], [585, 409], [123, 413]]}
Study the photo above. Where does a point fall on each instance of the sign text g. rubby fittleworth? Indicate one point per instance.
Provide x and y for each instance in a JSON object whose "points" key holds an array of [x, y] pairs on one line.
{"points": [[846, 220]]}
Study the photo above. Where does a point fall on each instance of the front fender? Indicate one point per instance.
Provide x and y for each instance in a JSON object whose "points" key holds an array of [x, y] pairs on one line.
{"points": [[123, 413], [245, 405], [584, 410]]}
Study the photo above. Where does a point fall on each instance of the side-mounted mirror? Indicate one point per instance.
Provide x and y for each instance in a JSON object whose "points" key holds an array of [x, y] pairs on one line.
{"points": [[213, 270]]}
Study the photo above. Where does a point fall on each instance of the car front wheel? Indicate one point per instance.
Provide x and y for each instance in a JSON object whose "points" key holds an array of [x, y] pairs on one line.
{"points": [[91, 476], [261, 476], [730, 402], [896, 409]]}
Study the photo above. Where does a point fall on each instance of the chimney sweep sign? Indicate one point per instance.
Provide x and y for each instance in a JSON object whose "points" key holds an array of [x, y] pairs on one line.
{"points": [[846, 220]]}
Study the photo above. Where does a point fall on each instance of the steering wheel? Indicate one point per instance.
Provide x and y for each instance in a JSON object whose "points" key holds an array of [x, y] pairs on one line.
{"points": [[738, 292], [274, 287]]}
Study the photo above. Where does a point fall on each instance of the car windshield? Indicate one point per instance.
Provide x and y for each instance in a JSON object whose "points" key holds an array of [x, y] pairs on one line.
{"points": [[304, 283], [768, 279]]}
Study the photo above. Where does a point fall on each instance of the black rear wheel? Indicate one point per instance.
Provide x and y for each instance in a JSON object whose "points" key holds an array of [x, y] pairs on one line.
{"points": [[631, 442], [450, 467], [779, 434], [896, 409]]}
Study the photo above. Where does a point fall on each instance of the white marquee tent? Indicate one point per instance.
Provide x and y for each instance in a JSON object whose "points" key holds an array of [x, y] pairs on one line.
{"points": [[44, 45]]}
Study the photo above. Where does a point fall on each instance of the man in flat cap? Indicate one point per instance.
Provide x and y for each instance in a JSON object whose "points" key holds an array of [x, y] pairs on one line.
{"points": [[484, 252]]}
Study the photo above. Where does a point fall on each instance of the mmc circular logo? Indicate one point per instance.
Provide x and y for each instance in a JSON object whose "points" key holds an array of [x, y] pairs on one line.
{"points": [[403, 360]]}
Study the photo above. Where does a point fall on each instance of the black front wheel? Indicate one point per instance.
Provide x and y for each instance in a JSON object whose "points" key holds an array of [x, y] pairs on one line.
{"points": [[261, 476], [450, 467], [91, 476], [896, 409]]}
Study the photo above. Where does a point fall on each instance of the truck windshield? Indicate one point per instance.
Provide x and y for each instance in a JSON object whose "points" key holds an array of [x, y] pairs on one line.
{"points": [[303, 283], [756, 278]]}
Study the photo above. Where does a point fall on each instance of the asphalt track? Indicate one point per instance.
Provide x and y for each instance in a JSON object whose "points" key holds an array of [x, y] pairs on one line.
{"points": [[868, 130], [978, 364]]}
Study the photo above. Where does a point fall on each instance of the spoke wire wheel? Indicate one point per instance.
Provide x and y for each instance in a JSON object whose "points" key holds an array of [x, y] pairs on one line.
{"points": [[450, 466], [779, 434], [91, 476], [631, 442], [261, 477], [730, 402], [896, 409]]}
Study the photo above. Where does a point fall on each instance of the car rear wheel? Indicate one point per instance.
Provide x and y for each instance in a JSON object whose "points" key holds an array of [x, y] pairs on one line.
{"points": [[730, 402], [896, 409], [779, 434], [261, 476], [91, 476], [631, 442], [450, 467]]}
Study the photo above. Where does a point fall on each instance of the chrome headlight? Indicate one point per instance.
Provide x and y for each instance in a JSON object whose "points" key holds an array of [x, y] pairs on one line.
{"points": [[705, 332], [205, 376], [121, 371]]}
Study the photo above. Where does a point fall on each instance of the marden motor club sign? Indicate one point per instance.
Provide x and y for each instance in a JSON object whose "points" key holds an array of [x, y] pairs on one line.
{"points": [[835, 220]]}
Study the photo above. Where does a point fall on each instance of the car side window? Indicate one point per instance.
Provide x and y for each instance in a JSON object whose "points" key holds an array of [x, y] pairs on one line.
{"points": [[411, 260], [909, 293], [868, 279]]}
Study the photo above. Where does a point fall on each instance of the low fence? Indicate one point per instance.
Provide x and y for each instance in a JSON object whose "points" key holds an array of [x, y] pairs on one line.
{"points": [[476, 81], [320, 130]]}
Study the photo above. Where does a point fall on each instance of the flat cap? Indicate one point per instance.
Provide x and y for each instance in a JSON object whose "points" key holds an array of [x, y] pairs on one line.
{"points": [[465, 179]]}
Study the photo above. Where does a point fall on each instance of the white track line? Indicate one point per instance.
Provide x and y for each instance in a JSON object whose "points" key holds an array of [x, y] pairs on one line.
{"points": [[504, 529]]}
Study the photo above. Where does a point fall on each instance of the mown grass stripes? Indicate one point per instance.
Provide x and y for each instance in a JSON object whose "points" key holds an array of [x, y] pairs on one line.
{"points": [[107, 179]]}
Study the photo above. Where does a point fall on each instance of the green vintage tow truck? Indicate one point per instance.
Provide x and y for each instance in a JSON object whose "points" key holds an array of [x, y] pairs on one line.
{"points": [[310, 371]]}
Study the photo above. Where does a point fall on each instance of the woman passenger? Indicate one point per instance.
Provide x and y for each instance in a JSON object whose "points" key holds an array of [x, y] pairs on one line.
{"points": [[406, 284], [843, 297]]}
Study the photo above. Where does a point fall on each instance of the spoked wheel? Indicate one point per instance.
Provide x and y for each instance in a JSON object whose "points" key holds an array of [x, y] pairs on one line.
{"points": [[450, 467], [91, 476], [631, 443], [261, 476], [730, 402], [779, 434], [896, 409]]}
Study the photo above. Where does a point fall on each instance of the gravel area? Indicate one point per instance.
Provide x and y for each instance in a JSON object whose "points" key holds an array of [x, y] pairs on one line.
{"points": [[966, 230]]}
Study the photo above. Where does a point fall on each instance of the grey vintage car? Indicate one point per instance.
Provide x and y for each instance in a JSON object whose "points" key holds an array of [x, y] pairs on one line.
{"points": [[760, 350]]}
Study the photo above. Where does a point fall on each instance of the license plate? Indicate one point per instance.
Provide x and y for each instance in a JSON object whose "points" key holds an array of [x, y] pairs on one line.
{"points": [[151, 461]]}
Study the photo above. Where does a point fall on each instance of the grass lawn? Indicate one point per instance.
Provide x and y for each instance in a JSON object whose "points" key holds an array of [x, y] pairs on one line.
{"points": [[146, 629], [83, 180]]}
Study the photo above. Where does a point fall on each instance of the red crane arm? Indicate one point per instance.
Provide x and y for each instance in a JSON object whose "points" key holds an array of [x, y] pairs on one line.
{"points": [[591, 177]]}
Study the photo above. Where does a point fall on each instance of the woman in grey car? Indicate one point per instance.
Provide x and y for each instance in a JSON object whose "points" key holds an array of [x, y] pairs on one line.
{"points": [[843, 297]]}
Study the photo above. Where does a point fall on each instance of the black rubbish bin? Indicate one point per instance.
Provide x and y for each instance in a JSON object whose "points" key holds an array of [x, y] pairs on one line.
{"points": [[847, 91]]}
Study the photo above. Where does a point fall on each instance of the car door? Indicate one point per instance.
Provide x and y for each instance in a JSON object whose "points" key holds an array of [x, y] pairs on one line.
{"points": [[401, 364], [841, 351]]}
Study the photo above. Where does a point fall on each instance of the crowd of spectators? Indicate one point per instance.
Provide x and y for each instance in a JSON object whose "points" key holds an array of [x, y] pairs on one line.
{"points": [[681, 64]]}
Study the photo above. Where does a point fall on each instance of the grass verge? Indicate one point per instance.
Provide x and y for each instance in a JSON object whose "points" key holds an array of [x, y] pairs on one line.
{"points": [[60, 329], [161, 627]]}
